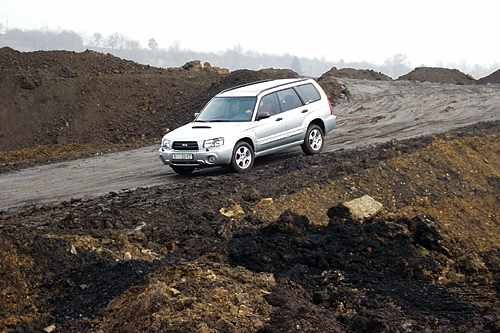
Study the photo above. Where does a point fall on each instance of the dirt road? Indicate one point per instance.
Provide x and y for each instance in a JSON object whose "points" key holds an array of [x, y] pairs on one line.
{"points": [[379, 111]]}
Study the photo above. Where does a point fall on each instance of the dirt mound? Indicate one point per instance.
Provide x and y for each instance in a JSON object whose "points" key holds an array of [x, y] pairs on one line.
{"points": [[193, 297], [59, 97], [360, 74], [335, 90], [243, 76], [70, 64], [352, 267], [332, 87], [492, 78], [440, 75]]}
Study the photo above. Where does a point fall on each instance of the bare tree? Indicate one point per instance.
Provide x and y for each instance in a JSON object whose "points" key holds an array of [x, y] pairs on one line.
{"points": [[153, 44], [115, 41], [97, 39], [296, 66], [132, 44]]}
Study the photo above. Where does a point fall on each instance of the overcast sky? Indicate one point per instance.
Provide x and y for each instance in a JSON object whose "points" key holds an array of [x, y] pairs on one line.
{"points": [[428, 31]]}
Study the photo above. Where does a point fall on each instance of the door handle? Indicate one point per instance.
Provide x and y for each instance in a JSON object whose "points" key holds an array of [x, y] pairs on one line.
{"points": [[304, 111], [279, 119]]}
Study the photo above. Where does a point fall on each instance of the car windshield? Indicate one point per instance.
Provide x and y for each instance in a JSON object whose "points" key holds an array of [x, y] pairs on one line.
{"points": [[228, 109]]}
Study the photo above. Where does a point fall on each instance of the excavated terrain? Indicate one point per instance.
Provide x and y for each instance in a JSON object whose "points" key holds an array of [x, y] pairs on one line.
{"points": [[269, 251]]}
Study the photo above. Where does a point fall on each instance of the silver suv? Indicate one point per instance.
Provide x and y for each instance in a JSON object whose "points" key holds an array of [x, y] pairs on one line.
{"points": [[251, 120]]}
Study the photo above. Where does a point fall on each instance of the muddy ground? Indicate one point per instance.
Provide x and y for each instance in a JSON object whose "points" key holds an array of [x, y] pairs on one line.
{"points": [[281, 258], [376, 112]]}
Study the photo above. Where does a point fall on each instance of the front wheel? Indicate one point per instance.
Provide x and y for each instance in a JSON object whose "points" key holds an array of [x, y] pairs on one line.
{"points": [[314, 140], [182, 170], [243, 157]]}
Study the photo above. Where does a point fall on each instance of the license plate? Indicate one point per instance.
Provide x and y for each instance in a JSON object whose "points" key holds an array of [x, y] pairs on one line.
{"points": [[182, 156]]}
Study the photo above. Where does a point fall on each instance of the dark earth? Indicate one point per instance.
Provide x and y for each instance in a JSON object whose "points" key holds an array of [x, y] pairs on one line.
{"points": [[165, 259]]}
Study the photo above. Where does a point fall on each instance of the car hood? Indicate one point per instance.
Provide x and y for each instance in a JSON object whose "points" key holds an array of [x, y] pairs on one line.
{"points": [[197, 131]]}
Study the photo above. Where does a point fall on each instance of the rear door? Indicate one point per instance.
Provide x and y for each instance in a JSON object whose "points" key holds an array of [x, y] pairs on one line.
{"points": [[293, 114], [269, 132]]}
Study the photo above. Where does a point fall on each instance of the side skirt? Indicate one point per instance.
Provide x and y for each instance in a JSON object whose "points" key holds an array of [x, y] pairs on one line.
{"points": [[273, 150]]}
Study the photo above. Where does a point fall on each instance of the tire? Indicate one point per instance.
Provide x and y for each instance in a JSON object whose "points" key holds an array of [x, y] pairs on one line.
{"points": [[243, 157], [182, 170], [314, 140]]}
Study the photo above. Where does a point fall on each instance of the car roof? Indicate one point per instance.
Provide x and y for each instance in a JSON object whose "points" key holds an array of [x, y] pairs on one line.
{"points": [[258, 87]]}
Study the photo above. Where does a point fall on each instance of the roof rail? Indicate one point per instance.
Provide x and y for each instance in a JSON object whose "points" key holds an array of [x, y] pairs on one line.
{"points": [[244, 85], [284, 84]]}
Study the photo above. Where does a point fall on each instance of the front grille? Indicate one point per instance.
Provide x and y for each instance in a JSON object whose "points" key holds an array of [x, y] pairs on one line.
{"points": [[185, 145]]}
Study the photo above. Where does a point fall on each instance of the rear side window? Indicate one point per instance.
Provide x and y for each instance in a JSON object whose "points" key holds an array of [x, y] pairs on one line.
{"points": [[308, 93], [289, 99], [269, 105]]}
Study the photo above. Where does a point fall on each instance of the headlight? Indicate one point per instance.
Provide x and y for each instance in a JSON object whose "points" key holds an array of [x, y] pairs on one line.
{"points": [[217, 142], [166, 143]]}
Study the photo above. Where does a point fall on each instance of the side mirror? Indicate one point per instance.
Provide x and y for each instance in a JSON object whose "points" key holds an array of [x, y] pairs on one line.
{"points": [[263, 115], [196, 115]]}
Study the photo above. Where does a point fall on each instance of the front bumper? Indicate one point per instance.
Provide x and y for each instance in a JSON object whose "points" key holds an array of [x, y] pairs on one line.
{"points": [[330, 123], [204, 157]]}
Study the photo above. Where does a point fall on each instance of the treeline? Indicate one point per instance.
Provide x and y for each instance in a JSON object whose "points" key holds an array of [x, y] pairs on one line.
{"points": [[174, 55]]}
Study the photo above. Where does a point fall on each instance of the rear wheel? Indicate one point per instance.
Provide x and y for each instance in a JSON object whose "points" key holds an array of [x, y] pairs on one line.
{"points": [[182, 170], [243, 157], [314, 140]]}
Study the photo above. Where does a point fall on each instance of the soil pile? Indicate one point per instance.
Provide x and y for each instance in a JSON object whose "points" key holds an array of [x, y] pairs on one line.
{"points": [[69, 64], [381, 275], [165, 257], [243, 76], [190, 297], [335, 90], [492, 78], [360, 74], [440, 75], [49, 98]]}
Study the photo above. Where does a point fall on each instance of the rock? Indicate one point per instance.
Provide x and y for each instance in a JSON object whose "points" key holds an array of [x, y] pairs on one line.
{"points": [[72, 250], [472, 263], [290, 223], [265, 202], [194, 65], [361, 208], [426, 234], [233, 212], [50, 328], [175, 292], [250, 194]]}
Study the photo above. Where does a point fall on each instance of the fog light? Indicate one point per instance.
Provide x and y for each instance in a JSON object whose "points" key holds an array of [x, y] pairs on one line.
{"points": [[211, 159]]}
